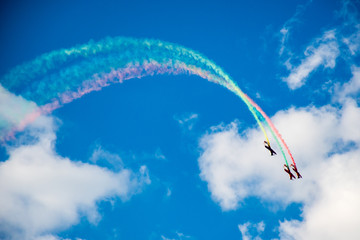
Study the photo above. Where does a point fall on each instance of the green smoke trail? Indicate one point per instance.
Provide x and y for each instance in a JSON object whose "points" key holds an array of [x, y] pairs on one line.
{"points": [[258, 115], [61, 76], [63, 70], [272, 133]]}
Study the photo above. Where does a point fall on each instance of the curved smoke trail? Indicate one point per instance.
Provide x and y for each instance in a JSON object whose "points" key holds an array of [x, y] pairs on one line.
{"points": [[256, 110], [274, 136], [272, 129], [59, 77]]}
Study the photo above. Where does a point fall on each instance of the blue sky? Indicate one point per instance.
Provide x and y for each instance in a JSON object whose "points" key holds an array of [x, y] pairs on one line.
{"points": [[176, 157]]}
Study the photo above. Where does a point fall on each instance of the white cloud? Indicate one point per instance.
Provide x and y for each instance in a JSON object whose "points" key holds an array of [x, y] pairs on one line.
{"points": [[182, 236], [343, 40], [102, 157], [52, 237], [353, 41], [168, 192], [43, 193], [237, 167], [349, 14], [334, 214], [288, 27], [323, 52], [159, 155], [230, 161], [179, 236], [284, 35], [13, 112], [165, 238], [251, 230], [48, 237], [348, 89], [325, 143], [187, 120]]}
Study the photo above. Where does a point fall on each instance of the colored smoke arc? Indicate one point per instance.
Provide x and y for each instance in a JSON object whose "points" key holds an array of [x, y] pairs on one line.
{"points": [[59, 77]]}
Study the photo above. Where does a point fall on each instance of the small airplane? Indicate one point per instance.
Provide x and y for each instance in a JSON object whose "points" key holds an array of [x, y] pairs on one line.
{"points": [[295, 170], [267, 146], [287, 170]]}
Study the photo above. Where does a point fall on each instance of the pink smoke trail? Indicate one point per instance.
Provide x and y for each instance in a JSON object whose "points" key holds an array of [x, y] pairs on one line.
{"points": [[271, 125], [134, 70]]}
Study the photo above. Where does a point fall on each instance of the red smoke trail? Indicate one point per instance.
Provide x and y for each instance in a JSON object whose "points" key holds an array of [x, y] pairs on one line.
{"points": [[99, 81], [271, 125]]}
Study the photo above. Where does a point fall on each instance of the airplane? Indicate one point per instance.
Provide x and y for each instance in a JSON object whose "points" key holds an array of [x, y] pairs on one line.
{"points": [[295, 170], [267, 146], [287, 170]]}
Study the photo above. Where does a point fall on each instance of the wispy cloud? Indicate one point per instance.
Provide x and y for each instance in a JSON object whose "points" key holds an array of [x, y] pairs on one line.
{"points": [[353, 41], [179, 236], [342, 40], [348, 89], [288, 27], [349, 14], [165, 238], [102, 157], [322, 52], [14, 112], [187, 120], [168, 192], [251, 230], [53, 237]]}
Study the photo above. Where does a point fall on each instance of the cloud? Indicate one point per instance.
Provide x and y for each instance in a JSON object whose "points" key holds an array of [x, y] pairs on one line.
{"points": [[187, 120], [52, 237], [334, 212], [350, 15], [168, 192], [179, 236], [323, 52], [343, 40], [288, 26], [284, 35], [238, 166], [159, 155], [102, 157], [13, 112], [235, 165], [353, 41], [43, 193], [325, 142], [251, 230], [348, 89], [165, 238]]}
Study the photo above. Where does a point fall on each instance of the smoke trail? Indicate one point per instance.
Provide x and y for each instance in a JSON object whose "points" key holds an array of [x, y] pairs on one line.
{"points": [[256, 110], [272, 126], [274, 136], [59, 77], [64, 70]]}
